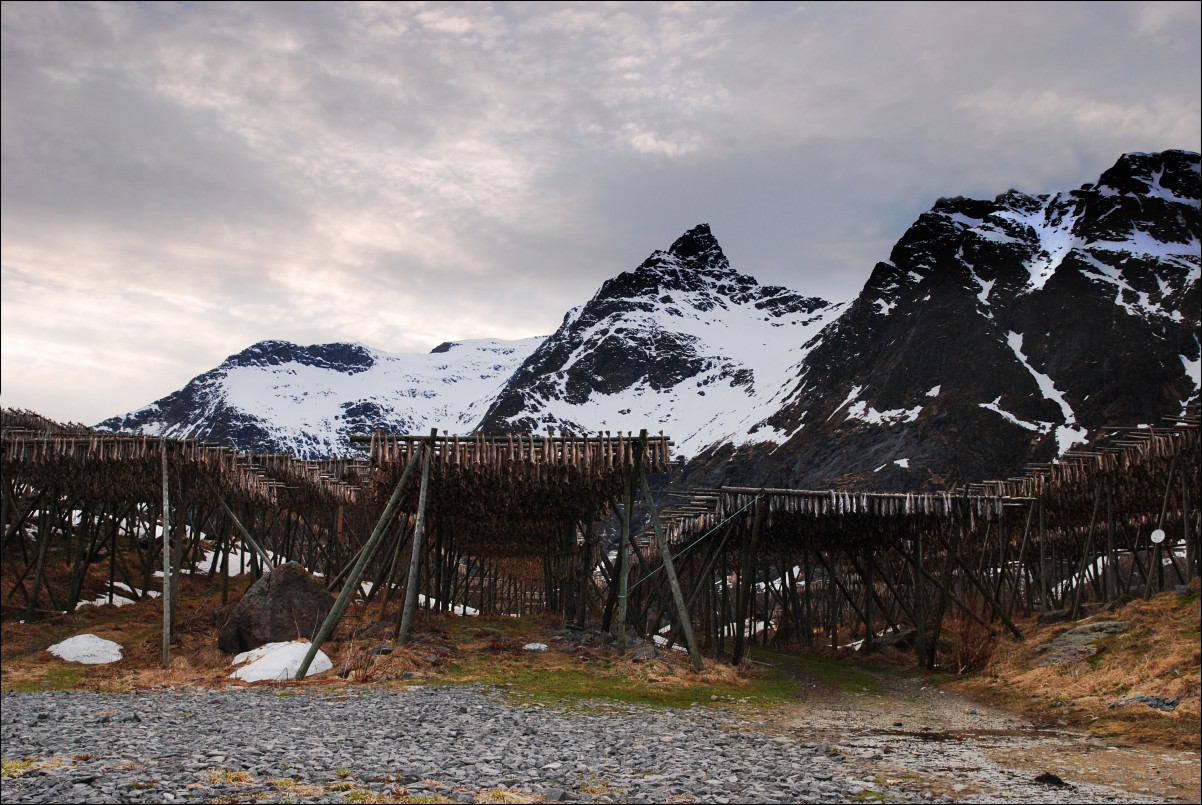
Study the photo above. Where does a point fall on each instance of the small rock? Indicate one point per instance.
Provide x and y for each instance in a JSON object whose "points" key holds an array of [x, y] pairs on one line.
{"points": [[1051, 780], [647, 652]]}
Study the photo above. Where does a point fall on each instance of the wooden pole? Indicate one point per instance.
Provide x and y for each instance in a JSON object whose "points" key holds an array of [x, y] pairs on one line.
{"points": [[745, 593], [1079, 576], [984, 589], [415, 557], [684, 621], [266, 557], [352, 582], [167, 602], [624, 563]]}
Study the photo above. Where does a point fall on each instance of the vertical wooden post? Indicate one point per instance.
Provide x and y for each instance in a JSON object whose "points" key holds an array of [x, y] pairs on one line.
{"points": [[113, 554], [921, 616], [1021, 567], [1191, 548], [1079, 576], [745, 591], [416, 555], [586, 571], [869, 594], [809, 600], [45, 534], [1112, 560], [167, 602], [624, 562], [1043, 562]]}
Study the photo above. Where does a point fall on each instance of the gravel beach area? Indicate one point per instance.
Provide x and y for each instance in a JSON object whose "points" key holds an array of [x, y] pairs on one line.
{"points": [[466, 744]]}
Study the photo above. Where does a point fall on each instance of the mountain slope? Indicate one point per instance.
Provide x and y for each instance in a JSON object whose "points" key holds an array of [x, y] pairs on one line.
{"points": [[1004, 332], [682, 343], [277, 397]]}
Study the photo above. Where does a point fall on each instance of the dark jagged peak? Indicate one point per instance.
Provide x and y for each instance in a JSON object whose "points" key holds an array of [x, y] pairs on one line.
{"points": [[342, 357], [1151, 174], [693, 263], [700, 244], [692, 273]]}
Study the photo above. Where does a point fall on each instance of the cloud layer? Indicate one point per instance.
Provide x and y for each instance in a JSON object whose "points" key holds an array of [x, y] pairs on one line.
{"points": [[181, 181]]}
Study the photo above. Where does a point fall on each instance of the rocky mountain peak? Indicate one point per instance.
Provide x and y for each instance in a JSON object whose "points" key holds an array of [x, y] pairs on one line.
{"points": [[700, 245], [343, 357], [1151, 174]]}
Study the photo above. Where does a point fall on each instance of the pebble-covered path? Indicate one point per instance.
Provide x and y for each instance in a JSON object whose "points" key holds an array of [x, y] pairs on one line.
{"points": [[433, 744]]}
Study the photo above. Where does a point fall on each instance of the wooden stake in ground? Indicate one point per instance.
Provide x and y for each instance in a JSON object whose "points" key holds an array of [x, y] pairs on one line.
{"points": [[167, 602], [416, 551], [352, 582], [682, 610]]}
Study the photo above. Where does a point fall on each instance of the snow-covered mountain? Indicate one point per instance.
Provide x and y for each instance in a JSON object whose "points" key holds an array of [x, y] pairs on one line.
{"points": [[999, 332], [277, 397], [683, 343]]}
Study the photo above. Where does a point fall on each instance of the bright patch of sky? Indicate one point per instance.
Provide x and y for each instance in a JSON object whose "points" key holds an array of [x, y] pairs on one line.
{"points": [[182, 181]]}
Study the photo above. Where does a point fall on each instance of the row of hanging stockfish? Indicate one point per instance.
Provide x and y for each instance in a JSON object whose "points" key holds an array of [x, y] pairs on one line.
{"points": [[1136, 466], [510, 496], [603, 451], [1139, 463], [108, 465], [842, 502]]}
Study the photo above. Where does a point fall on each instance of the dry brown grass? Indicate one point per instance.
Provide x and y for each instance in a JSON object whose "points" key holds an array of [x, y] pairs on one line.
{"points": [[1157, 655]]}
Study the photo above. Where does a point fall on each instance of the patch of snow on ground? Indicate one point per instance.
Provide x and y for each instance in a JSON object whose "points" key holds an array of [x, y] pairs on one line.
{"points": [[278, 662], [456, 609], [103, 600], [87, 649], [118, 600], [904, 463]]}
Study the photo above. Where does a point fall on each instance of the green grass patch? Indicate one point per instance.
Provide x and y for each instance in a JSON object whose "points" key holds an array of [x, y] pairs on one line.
{"points": [[15, 768], [57, 677], [830, 671], [605, 681]]}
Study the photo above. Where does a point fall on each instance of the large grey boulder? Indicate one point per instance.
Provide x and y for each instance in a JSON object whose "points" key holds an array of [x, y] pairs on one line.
{"points": [[283, 605]]}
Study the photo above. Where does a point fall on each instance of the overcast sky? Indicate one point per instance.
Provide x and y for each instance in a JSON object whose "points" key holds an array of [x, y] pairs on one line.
{"points": [[181, 181]]}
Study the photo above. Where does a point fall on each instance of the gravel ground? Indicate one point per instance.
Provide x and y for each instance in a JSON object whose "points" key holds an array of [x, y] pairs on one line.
{"points": [[474, 744]]}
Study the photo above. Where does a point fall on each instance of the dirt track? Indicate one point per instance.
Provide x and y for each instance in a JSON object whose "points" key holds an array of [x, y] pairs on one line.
{"points": [[941, 742]]}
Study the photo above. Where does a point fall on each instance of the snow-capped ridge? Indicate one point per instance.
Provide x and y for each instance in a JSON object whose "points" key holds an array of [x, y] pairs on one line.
{"points": [[997, 332]]}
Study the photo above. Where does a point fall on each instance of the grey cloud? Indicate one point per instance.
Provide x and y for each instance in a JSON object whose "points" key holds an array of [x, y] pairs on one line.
{"points": [[406, 173]]}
